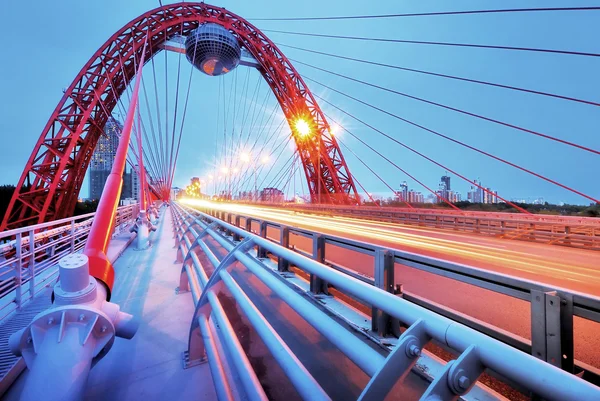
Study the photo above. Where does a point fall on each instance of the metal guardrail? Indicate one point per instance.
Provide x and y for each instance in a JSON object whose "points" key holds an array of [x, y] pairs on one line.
{"points": [[552, 308], [25, 270], [477, 350], [573, 231]]}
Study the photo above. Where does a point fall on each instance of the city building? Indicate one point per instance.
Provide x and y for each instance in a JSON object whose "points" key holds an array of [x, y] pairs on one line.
{"points": [[446, 181], [273, 195], [415, 197], [409, 196], [102, 161], [402, 194], [478, 195], [135, 183], [445, 193]]}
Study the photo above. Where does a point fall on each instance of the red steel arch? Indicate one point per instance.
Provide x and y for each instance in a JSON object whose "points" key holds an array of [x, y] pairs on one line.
{"points": [[50, 183]]}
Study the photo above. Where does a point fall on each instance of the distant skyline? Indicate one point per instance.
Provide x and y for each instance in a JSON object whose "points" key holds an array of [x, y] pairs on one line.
{"points": [[67, 33]]}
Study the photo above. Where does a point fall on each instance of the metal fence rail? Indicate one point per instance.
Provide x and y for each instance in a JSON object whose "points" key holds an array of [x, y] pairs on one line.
{"points": [[26, 267], [477, 350], [552, 308], [573, 231]]}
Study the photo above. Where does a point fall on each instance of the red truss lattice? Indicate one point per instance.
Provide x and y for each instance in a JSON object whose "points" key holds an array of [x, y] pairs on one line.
{"points": [[50, 183]]}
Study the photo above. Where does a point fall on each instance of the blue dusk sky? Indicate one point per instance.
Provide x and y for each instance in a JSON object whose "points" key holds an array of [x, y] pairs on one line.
{"points": [[46, 43]]}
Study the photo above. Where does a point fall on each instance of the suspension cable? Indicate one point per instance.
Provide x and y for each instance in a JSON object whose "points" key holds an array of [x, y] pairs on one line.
{"points": [[441, 198], [429, 14], [420, 154], [479, 116], [420, 42], [473, 148], [372, 171], [436, 74]]}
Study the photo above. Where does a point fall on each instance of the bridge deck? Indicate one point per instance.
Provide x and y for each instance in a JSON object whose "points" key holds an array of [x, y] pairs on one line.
{"points": [[150, 365]]}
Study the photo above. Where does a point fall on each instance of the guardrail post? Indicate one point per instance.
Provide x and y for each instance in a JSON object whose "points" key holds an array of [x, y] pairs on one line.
{"points": [[236, 237], [567, 240], [19, 267], [262, 252], [552, 328], [381, 322], [248, 225], [318, 285], [31, 266], [284, 240], [72, 235]]}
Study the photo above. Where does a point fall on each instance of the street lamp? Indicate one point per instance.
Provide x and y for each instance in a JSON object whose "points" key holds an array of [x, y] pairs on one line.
{"points": [[247, 158]]}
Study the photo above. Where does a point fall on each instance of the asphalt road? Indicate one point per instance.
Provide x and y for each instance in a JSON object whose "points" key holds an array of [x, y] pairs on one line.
{"points": [[573, 269]]}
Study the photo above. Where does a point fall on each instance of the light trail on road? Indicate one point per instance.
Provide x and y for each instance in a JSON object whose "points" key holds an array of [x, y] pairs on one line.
{"points": [[573, 269]]}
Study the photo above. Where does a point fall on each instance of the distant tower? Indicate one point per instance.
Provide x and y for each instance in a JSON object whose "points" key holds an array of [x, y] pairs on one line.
{"points": [[135, 183], [446, 181], [403, 193]]}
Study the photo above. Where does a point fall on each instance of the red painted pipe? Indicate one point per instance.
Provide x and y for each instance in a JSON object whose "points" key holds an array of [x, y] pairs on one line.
{"points": [[142, 172], [102, 226]]}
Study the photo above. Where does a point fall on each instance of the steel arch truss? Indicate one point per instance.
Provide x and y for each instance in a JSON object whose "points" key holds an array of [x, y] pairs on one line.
{"points": [[52, 179]]}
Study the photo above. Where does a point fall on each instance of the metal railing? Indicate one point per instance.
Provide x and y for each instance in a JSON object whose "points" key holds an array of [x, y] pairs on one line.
{"points": [[573, 231], [552, 308], [27, 267], [477, 350]]}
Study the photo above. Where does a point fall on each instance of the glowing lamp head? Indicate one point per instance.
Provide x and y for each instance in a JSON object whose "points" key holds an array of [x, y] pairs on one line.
{"points": [[224, 170], [245, 157], [302, 127], [265, 159]]}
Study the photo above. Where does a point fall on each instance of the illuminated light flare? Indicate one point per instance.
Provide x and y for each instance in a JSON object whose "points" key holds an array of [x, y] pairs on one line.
{"points": [[335, 129], [302, 127]]}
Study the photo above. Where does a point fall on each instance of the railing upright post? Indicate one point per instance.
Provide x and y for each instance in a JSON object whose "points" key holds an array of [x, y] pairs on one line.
{"points": [[262, 252], [19, 268], [248, 225], [284, 240], [381, 322], [552, 328], [72, 235], [236, 237], [31, 266], [318, 285]]}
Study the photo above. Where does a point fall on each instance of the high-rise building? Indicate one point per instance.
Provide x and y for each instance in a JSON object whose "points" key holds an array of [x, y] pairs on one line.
{"points": [[446, 181], [478, 195], [102, 161], [135, 183], [402, 194], [415, 197], [444, 191]]}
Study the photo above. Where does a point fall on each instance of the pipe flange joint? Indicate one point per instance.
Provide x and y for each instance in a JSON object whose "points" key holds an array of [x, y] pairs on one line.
{"points": [[94, 325], [87, 294]]}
